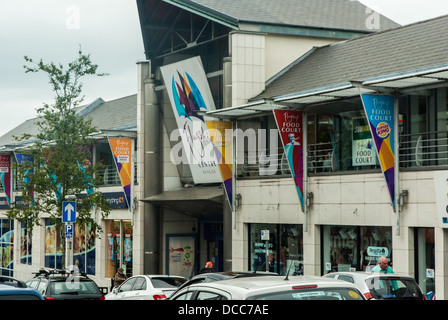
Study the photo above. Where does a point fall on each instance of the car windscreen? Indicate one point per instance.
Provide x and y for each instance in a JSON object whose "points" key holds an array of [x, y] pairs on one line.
{"points": [[73, 287], [394, 288], [164, 282], [311, 294]]}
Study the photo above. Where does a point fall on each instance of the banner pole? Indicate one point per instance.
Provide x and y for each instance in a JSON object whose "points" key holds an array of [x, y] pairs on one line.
{"points": [[397, 164]]}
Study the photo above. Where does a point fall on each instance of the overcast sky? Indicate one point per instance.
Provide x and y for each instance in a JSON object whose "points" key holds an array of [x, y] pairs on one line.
{"points": [[110, 32]]}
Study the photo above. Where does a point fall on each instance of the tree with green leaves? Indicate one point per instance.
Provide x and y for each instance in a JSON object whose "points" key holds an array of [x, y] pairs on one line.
{"points": [[61, 153]]}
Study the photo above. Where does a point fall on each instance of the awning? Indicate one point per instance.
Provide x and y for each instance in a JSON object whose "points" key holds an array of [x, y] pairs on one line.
{"points": [[412, 79], [193, 201]]}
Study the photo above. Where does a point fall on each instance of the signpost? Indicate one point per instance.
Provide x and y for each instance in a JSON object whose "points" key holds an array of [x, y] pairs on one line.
{"points": [[68, 217]]}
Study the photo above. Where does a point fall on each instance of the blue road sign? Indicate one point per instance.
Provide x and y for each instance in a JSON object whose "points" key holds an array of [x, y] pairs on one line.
{"points": [[69, 211], [69, 231]]}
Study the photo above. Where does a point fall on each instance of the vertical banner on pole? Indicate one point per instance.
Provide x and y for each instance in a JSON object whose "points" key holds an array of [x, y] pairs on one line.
{"points": [[221, 135], [122, 151], [380, 115], [5, 175], [289, 123]]}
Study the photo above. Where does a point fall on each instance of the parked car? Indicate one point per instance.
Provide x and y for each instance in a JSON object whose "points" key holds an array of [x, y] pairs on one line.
{"points": [[10, 281], [382, 286], [146, 287], [9, 292], [216, 276], [66, 285], [271, 288]]}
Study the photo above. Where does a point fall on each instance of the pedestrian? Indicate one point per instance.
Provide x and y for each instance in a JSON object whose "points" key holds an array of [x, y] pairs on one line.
{"points": [[382, 266], [119, 277], [208, 268]]}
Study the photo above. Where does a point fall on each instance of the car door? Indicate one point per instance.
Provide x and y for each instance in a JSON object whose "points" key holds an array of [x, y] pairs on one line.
{"points": [[125, 291]]}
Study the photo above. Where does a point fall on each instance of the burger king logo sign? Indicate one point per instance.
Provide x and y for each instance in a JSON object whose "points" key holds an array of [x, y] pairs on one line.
{"points": [[382, 130]]}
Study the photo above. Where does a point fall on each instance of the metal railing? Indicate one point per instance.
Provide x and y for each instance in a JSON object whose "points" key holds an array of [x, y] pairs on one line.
{"points": [[417, 151], [425, 149]]}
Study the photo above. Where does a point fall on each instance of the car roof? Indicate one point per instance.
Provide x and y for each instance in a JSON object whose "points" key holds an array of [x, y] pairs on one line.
{"points": [[11, 290], [368, 274], [243, 287]]}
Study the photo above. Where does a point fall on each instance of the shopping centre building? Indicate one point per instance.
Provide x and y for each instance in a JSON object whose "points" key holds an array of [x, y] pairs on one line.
{"points": [[319, 64]]}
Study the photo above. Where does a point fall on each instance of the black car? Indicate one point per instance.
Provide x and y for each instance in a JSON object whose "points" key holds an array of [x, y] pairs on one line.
{"points": [[66, 285]]}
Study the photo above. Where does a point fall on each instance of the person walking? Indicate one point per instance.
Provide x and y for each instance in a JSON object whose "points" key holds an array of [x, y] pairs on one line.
{"points": [[119, 277]]}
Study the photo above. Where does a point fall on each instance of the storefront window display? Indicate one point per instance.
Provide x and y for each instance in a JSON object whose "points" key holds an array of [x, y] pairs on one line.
{"points": [[351, 248], [119, 237], [25, 245], [7, 246], [83, 247], [276, 248], [53, 245]]}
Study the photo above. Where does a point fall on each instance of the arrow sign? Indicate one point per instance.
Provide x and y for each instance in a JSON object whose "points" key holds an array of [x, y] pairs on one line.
{"points": [[69, 211]]}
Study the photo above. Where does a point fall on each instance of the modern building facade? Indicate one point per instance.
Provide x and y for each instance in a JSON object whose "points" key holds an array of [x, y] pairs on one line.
{"points": [[259, 56], [241, 47]]}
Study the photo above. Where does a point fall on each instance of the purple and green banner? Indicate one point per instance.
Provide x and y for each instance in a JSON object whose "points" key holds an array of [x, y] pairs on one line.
{"points": [[380, 116]]}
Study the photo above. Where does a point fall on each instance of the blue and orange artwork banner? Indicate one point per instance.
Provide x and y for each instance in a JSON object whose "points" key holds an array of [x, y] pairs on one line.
{"points": [[289, 123], [122, 151], [379, 111]]}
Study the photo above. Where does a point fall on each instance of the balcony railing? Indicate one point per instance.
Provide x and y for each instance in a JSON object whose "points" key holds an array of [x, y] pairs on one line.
{"points": [[417, 151], [109, 177]]}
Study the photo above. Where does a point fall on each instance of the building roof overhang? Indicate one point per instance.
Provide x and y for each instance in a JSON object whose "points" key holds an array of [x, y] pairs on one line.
{"points": [[387, 84]]}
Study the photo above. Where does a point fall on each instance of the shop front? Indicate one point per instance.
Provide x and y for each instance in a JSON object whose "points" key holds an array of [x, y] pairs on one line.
{"points": [[276, 248]]}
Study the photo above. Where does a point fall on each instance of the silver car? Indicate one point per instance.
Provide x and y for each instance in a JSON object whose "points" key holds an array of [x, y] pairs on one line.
{"points": [[271, 288], [382, 286]]}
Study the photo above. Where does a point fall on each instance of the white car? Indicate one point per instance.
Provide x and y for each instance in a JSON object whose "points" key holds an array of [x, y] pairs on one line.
{"points": [[271, 288], [146, 287], [382, 286]]}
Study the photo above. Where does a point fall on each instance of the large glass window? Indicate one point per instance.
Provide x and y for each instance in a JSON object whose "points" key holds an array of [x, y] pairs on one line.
{"points": [[351, 248], [7, 246], [276, 248], [119, 247], [339, 139]]}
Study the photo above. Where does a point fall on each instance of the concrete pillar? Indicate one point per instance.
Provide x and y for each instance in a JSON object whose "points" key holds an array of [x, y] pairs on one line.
{"points": [[403, 251], [311, 250], [149, 131]]}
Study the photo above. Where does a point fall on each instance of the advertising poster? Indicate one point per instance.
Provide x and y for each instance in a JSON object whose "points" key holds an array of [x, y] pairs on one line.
{"points": [[189, 92], [181, 254], [363, 151], [122, 151], [380, 116], [289, 123], [221, 134], [5, 175]]}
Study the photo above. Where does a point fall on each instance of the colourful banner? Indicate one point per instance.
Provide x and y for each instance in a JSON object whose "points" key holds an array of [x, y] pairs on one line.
{"points": [[122, 151], [221, 134], [5, 175], [26, 161], [189, 92], [380, 115], [289, 123]]}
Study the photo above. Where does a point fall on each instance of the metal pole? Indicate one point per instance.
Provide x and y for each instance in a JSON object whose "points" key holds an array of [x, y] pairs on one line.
{"points": [[305, 169], [396, 164]]}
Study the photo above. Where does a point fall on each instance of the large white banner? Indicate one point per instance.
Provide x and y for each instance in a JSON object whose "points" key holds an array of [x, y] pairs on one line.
{"points": [[189, 92]]}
